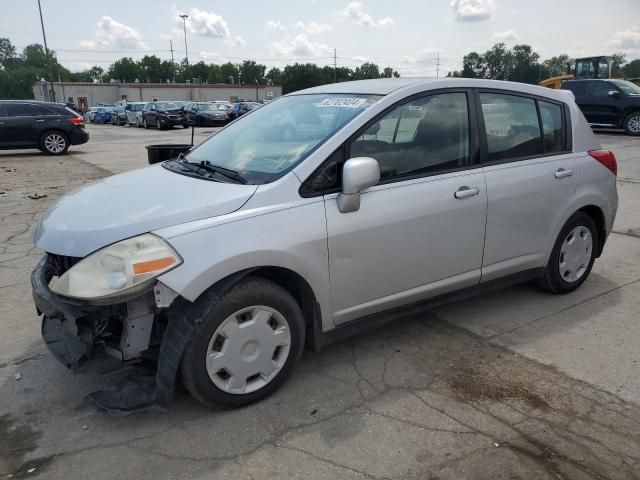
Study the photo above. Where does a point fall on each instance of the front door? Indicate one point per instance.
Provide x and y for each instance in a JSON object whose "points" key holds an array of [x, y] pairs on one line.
{"points": [[420, 231], [531, 180], [602, 109], [22, 124]]}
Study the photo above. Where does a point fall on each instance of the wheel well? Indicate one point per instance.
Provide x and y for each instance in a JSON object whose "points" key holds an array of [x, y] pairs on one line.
{"points": [[628, 111], [52, 130], [598, 217]]}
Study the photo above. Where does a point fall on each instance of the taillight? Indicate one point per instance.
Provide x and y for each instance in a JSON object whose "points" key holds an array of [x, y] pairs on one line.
{"points": [[606, 158], [77, 121]]}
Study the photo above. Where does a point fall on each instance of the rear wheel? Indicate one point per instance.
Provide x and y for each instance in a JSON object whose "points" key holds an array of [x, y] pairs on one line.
{"points": [[632, 123], [573, 255], [245, 346], [54, 143]]}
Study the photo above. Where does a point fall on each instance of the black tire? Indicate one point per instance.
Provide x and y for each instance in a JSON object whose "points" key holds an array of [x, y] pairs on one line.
{"points": [[553, 281], [185, 125], [632, 123], [46, 142], [249, 292], [145, 124], [159, 125]]}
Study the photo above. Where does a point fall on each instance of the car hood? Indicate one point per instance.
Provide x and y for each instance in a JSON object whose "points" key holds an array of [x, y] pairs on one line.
{"points": [[175, 111], [130, 204]]}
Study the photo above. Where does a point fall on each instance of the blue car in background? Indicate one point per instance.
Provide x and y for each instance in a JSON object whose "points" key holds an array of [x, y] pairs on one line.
{"points": [[102, 115]]}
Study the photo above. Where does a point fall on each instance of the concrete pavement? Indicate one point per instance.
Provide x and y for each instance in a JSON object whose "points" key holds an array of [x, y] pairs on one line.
{"points": [[517, 384]]}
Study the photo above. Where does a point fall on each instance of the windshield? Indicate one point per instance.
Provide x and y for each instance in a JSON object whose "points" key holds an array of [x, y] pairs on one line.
{"points": [[166, 106], [206, 106], [627, 87], [273, 139]]}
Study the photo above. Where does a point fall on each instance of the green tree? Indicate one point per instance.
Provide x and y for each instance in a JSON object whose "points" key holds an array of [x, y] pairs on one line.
{"points": [[632, 69], [558, 65], [389, 72], [229, 73], [214, 75], [617, 64], [149, 67], [252, 72], [525, 68], [199, 72], [473, 66], [125, 70], [365, 71], [7, 51], [274, 76], [298, 76]]}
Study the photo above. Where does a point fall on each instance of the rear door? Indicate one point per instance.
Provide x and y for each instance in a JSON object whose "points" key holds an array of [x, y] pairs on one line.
{"points": [[3, 125], [22, 124], [530, 175]]}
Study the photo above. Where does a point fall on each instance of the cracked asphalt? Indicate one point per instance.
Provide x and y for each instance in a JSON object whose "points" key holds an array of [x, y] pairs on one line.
{"points": [[516, 384]]}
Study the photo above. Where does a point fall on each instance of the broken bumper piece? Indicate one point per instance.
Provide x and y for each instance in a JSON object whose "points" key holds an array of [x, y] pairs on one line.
{"points": [[77, 331]]}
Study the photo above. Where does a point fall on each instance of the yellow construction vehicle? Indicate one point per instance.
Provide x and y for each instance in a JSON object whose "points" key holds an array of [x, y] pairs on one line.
{"points": [[584, 68]]}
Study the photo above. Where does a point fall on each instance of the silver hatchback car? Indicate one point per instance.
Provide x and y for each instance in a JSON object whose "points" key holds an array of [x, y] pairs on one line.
{"points": [[381, 197]]}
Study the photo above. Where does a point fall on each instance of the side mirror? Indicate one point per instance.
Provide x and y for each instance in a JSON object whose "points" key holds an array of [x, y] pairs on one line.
{"points": [[358, 174], [614, 93]]}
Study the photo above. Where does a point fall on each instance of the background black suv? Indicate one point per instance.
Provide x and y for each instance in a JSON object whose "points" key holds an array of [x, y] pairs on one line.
{"points": [[608, 103], [49, 127]]}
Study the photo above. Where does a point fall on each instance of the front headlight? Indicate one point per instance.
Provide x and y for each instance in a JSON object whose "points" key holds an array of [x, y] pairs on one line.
{"points": [[123, 266]]}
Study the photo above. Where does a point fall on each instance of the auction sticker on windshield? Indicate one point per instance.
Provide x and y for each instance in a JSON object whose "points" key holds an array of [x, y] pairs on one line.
{"points": [[344, 102]]}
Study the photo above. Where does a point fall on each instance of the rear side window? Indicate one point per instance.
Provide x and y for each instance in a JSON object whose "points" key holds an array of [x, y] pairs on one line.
{"points": [[21, 110], [512, 126], [42, 110], [552, 127], [579, 89], [600, 90]]}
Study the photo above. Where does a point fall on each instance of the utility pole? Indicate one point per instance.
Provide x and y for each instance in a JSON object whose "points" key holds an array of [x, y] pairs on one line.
{"points": [[46, 51], [184, 17], [335, 66], [173, 64], [437, 64]]}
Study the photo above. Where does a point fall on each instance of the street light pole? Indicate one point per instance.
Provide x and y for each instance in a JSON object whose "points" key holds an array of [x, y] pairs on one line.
{"points": [[184, 17], [46, 51]]}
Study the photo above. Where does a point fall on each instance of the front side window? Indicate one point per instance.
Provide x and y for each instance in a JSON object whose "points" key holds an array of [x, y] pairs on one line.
{"points": [[263, 146], [425, 136], [600, 90], [511, 125], [552, 127], [626, 86]]}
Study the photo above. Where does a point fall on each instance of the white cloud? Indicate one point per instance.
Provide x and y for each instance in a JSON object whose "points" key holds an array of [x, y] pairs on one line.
{"points": [[355, 13], [111, 34], [506, 36], [205, 24], [273, 25], [313, 28], [473, 10], [212, 57], [299, 47], [626, 39], [424, 62], [235, 41]]}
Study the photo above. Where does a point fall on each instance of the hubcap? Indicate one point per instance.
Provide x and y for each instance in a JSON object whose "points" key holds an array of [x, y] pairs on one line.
{"points": [[248, 349], [54, 143], [575, 254], [634, 124]]}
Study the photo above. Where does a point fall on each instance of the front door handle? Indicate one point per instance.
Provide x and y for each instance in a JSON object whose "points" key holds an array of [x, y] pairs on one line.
{"points": [[562, 173], [466, 192]]}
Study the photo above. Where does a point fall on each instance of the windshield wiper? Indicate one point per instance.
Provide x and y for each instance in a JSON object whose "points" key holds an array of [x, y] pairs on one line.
{"points": [[225, 172]]}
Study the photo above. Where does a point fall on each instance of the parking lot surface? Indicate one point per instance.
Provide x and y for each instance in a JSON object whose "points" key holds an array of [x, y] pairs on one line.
{"points": [[515, 384]]}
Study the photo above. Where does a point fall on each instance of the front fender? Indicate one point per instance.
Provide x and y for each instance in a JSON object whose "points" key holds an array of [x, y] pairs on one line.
{"points": [[294, 238]]}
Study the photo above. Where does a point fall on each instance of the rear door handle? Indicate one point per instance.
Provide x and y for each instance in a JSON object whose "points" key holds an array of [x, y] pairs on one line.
{"points": [[562, 173], [465, 192]]}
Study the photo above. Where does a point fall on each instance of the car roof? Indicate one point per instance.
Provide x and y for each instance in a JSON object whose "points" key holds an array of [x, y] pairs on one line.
{"points": [[39, 102], [385, 86]]}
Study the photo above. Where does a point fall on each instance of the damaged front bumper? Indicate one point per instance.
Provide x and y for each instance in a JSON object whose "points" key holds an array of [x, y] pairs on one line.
{"points": [[128, 330]]}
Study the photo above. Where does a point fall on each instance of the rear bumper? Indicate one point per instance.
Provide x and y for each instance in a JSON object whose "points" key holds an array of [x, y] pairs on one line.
{"points": [[78, 136]]}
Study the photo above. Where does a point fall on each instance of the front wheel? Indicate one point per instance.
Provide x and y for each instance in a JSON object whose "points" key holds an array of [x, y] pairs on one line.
{"points": [[632, 123], [146, 125], [245, 346], [572, 256]]}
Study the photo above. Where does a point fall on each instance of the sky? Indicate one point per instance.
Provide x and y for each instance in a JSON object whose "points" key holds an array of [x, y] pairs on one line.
{"points": [[416, 37]]}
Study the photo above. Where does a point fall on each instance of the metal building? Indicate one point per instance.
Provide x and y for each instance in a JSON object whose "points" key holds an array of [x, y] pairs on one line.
{"points": [[86, 95]]}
